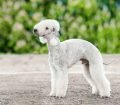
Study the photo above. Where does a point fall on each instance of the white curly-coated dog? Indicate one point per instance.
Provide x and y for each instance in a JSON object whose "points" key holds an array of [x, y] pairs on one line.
{"points": [[63, 55]]}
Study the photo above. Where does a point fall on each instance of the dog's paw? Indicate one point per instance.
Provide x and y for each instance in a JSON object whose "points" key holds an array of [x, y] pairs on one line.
{"points": [[95, 91], [52, 94], [105, 95], [60, 95]]}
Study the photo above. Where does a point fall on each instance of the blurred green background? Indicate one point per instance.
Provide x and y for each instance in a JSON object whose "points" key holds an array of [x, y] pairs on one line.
{"points": [[97, 21]]}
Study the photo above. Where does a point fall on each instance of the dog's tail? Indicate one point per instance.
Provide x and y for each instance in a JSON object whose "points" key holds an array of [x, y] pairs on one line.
{"points": [[113, 61]]}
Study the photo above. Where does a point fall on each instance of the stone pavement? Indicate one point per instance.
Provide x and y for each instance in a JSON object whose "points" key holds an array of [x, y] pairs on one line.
{"points": [[25, 80]]}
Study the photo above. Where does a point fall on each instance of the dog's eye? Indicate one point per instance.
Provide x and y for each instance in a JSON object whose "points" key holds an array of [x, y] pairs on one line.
{"points": [[46, 28], [53, 29]]}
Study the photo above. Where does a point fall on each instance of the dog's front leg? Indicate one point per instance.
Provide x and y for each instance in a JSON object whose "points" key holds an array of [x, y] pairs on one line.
{"points": [[61, 82], [53, 81]]}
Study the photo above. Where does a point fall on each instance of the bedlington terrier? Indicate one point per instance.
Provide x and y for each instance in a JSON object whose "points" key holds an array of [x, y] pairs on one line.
{"points": [[63, 55]]}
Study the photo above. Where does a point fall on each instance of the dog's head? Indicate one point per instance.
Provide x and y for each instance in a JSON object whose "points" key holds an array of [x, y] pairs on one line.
{"points": [[47, 30]]}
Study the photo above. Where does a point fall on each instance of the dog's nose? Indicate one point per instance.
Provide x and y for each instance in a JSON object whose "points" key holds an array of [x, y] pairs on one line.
{"points": [[35, 30]]}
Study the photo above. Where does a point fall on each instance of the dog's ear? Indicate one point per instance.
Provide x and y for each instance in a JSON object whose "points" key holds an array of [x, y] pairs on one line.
{"points": [[60, 33], [57, 25]]}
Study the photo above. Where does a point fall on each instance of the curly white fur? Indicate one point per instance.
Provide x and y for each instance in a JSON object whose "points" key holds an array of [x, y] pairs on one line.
{"points": [[64, 54]]}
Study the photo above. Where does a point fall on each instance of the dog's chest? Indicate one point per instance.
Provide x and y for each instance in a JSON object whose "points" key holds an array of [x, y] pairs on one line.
{"points": [[57, 58]]}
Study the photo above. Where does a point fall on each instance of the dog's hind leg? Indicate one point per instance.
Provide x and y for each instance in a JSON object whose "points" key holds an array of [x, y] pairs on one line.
{"points": [[86, 74], [98, 75]]}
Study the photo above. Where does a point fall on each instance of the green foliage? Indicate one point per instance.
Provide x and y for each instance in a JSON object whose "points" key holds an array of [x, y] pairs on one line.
{"points": [[92, 20]]}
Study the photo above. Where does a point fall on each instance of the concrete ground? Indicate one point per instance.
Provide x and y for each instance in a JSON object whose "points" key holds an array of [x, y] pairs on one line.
{"points": [[25, 80]]}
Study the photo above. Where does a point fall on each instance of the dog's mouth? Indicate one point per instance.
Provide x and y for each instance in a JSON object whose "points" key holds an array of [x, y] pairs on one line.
{"points": [[44, 35]]}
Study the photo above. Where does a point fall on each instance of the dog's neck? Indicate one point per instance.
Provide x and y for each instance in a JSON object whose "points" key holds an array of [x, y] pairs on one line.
{"points": [[53, 46]]}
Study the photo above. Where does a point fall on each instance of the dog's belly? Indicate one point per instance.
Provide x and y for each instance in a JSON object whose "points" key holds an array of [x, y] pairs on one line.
{"points": [[74, 59], [71, 64], [74, 55]]}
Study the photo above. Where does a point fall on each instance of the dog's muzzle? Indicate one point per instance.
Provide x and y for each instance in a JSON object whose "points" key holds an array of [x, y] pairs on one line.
{"points": [[35, 31]]}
